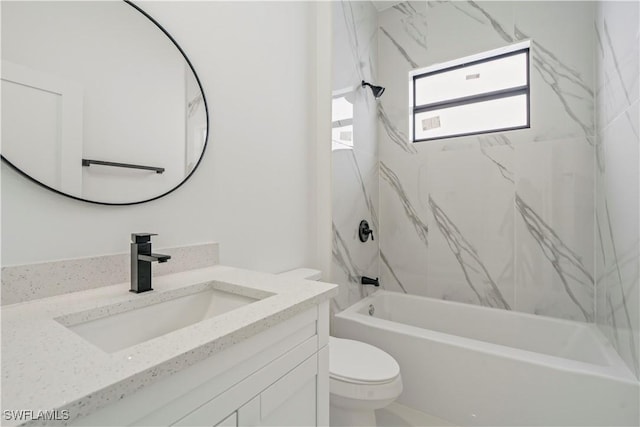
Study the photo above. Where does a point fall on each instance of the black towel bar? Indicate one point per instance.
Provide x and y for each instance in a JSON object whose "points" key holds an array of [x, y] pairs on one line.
{"points": [[88, 162]]}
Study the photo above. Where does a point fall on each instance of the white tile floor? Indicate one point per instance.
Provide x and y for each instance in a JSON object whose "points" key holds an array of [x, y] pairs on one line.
{"points": [[396, 415]]}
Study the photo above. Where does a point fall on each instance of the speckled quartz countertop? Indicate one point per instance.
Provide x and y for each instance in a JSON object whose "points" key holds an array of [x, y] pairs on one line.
{"points": [[46, 366]]}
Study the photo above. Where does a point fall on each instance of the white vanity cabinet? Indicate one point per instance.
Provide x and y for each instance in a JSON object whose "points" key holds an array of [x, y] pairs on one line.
{"points": [[291, 401], [278, 377]]}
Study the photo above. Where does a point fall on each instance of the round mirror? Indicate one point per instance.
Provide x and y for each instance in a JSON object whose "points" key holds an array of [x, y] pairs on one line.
{"points": [[99, 103]]}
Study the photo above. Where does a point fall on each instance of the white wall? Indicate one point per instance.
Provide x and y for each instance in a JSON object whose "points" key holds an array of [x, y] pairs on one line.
{"points": [[252, 191]]}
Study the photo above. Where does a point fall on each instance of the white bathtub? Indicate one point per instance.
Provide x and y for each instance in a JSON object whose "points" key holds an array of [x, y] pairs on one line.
{"points": [[474, 365]]}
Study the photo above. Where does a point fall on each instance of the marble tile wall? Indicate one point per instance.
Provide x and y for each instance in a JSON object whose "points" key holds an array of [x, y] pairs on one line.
{"points": [[355, 154], [504, 220], [617, 175]]}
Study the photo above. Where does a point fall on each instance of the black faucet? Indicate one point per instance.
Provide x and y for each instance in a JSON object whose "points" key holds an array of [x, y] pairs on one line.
{"points": [[364, 231], [141, 259], [369, 281]]}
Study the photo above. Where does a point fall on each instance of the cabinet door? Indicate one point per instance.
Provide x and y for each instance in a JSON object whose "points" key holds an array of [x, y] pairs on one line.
{"points": [[290, 401]]}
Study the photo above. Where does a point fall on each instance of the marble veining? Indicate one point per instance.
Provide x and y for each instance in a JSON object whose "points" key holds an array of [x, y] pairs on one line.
{"points": [[497, 140], [478, 176], [567, 264], [617, 281], [616, 62], [354, 198], [475, 272], [347, 272], [387, 264], [403, 52], [414, 23], [620, 285], [396, 135], [55, 369], [494, 22], [567, 84], [392, 179], [623, 305], [617, 177], [343, 258], [355, 170], [617, 209], [371, 207], [361, 39]]}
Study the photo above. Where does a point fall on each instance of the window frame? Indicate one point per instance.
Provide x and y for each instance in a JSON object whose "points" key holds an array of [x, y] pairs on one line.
{"points": [[471, 99]]}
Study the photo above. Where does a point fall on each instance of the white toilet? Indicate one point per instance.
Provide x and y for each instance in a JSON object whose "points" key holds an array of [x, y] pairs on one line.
{"points": [[362, 378]]}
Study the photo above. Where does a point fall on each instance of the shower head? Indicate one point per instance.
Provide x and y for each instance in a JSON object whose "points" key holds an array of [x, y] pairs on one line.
{"points": [[377, 90]]}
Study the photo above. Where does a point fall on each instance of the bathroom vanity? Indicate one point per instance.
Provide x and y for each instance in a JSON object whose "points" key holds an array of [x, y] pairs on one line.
{"points": [[212, 346]]}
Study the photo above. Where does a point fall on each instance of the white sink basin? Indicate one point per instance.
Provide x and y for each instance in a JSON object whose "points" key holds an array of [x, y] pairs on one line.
{"points": [[125, 329]]}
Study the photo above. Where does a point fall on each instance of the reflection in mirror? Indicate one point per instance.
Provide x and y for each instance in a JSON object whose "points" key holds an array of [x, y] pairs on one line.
{"points": [[342, 119], [98, 81]]}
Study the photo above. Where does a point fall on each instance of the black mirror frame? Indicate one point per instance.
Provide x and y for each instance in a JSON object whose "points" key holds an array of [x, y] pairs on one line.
{"points": [[204, 148]]}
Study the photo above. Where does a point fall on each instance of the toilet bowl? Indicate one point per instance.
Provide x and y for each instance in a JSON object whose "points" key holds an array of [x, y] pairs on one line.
{"points": [[362, 378]]}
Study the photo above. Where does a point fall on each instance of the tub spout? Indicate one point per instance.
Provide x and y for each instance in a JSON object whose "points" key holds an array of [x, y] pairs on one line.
{"points": [[369, 281]]}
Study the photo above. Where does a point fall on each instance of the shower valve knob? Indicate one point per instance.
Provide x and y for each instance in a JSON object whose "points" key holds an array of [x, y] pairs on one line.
{"points": [[364, 231]]}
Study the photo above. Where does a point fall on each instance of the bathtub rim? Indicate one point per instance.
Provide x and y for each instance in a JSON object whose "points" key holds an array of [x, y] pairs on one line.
{"points": [[615, 370]]}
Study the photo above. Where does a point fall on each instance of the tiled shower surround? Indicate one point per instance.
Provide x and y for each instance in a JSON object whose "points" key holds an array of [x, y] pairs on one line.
{"points": [[509, 215], [616, 174], [505, 220], [355, 162]]}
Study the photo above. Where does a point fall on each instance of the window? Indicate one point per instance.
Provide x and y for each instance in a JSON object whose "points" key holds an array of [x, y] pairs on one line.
{"points": [[488, 92]]}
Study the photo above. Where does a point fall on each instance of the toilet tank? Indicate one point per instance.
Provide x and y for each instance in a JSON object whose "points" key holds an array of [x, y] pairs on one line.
{"points": [[303, 273]]}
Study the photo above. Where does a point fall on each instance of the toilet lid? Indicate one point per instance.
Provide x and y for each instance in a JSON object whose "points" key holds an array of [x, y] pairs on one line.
{"points": [[358, 362]]}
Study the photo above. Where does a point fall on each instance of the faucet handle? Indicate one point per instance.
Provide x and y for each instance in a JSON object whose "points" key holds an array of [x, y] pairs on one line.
{"points": [[141, 237]]}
